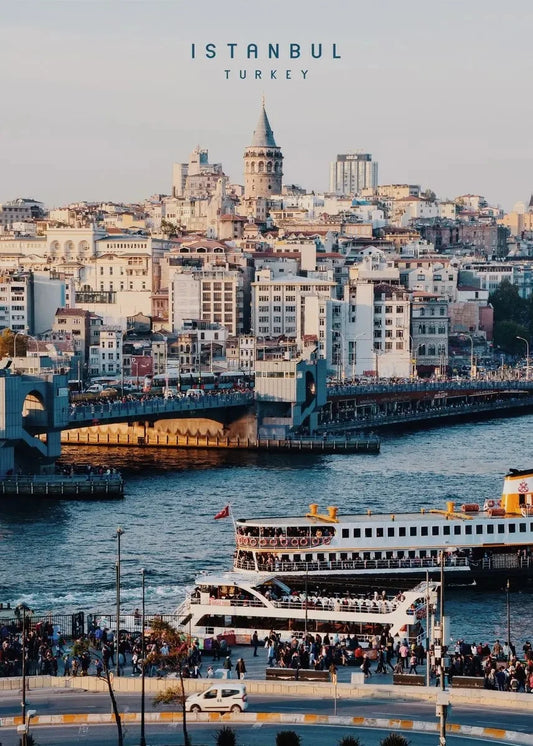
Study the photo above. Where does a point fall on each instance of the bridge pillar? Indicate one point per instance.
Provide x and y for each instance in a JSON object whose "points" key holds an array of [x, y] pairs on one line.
{"points": [[289, 395], [31, 406]]}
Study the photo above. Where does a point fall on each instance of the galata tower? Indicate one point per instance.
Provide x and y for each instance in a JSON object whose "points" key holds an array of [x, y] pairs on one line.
{"points": [[263, 161]]}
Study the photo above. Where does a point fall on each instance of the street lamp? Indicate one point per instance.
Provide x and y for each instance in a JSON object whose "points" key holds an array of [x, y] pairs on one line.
{"points": [[471, 338], [143, 664], [117, 569], [442, 696], [522, 339], [507, 589]]}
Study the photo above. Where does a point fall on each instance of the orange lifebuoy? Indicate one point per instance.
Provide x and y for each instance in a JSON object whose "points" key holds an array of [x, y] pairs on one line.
{"points": [[253, 542], [262, 542], [244, 541], [304, 542], [314, 541], [327, 539], [294, 542], [283, 541], [272, 542]]}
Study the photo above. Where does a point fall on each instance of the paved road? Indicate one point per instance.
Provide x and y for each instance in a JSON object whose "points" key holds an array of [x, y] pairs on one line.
{"points": [[49, 701], [204, 735]]}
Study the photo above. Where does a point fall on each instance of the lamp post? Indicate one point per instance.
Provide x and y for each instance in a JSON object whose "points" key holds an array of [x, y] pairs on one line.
{"points": [[23, 703], [117, 569], [522, 339], [471, 338], [442, 696], [507, 589], [143, 665]]}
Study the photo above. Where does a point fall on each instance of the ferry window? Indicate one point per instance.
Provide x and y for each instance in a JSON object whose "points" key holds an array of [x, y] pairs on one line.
{"points": [[412, 531], [346, 533], [377, 555], [424, 531], [479, 529], [412, 554], [388, 555], [356, 533], [531, 526], [468, 529], [490, 528], [379, 532], [457, 530], [446, 530], [366, 555], [368, 532], [401, 531], [401, 555], [320, 557], [501, 528], [308, 557], [422, 553], [522, 527], [344, 556], [297, 558], [390, 531], [435, 530], [512, 528], [332, 557]]}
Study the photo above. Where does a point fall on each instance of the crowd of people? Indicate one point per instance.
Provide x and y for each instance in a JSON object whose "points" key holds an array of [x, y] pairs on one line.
{"points": [[48, 653]]}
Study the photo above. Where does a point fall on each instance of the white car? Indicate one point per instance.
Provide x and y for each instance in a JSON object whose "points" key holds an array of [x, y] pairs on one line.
{"points": [[223, 696]]}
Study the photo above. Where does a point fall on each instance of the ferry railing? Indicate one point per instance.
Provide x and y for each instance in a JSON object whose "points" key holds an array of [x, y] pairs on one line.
{"points": [[371, 564]]}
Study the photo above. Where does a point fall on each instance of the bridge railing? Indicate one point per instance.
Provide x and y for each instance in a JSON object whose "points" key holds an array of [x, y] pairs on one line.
{"points": [[371, 564], [386, 388], [117, 409]]}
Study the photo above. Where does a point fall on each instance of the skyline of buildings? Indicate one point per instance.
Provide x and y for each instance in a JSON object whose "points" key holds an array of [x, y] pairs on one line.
{"points": [[378, 280]]}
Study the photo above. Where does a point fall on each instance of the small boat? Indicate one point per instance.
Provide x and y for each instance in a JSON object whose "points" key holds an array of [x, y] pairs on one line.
{"points": [[483, 542], [236, 605]]}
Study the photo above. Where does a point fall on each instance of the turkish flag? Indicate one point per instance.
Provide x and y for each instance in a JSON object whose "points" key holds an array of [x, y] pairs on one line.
{"points": [[224, 513]]}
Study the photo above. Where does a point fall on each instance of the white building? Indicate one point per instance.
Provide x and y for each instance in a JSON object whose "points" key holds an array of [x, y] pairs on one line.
{"points": [[105, 358], [288, 305], [352, 172], [392, 315], [211, 294]]}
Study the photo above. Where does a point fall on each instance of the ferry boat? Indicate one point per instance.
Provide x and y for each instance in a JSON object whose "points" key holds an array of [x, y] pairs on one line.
{"points": [[482, 543], [237, 605]]}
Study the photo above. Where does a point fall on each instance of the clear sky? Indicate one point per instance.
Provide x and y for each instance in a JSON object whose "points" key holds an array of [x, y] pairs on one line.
{"points": [[98, 99]]}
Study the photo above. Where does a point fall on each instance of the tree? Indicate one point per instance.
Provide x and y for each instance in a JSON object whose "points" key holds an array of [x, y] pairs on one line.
{"points": [[394, 739], [349, 741], [512, 317], [226, 737], [7, 341], [169, 228], [175, 660], [287, 738]]}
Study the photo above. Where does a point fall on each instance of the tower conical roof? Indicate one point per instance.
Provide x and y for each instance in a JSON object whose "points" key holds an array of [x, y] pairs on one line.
{"points": [[263, 134]]}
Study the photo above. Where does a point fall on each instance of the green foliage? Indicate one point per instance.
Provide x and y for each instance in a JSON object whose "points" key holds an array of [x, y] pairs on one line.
{"points": [[513, 317], [394, 739], [287, 738], [30, 740], [79, 647], [7, 340], [169, 696], [226, 737], [349, 741]]}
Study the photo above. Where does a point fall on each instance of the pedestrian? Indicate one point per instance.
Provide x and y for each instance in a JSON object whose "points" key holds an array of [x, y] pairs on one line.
{"points": [[227, 666], [99, 667], [240, 668], [412, 664], [365, 668], [255, 643]]}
